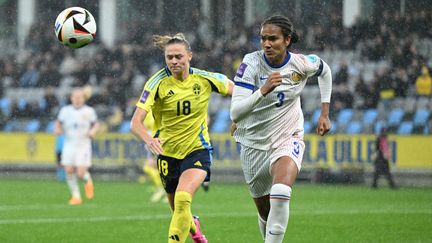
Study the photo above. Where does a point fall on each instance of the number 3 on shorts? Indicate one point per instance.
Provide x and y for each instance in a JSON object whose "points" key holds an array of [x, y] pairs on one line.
{"points": [[163, 166]]}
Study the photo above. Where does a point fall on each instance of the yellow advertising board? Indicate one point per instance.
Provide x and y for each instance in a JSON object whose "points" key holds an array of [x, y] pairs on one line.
{"points": [[333, 151], [25, 148]]}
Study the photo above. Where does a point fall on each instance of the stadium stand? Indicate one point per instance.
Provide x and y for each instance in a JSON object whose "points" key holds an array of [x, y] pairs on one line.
{"points": [[354, 127], [405, 128], [362, 68], [124, 127]]}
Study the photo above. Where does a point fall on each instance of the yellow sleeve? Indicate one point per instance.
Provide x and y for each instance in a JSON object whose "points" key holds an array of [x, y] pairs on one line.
{"points": [[147, 98], [219, 81]]}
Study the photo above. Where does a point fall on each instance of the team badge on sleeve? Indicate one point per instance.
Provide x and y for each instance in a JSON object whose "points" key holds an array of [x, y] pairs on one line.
{"points": [[241, 70], [144, 96], [312, 58]]}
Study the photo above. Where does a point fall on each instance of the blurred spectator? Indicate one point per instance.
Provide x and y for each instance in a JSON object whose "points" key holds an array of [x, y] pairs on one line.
{"points": [[342, 98], [386, 88], [369, 94], [423, 83], [70, 65], [401, 82], [341, 76], [381, 164], [389, 38], [30, 78], [50, 102]]}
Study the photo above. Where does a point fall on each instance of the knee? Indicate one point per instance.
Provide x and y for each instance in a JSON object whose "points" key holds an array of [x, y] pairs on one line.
{"points": [[80, 174], [276, 229], [69, 170]]}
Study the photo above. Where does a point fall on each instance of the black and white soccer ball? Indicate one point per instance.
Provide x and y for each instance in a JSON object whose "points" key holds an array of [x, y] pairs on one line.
{"points": [[75, 27]]}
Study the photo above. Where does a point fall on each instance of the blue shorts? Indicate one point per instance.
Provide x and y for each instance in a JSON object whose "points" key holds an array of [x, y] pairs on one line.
{"points": [[170, 168]]}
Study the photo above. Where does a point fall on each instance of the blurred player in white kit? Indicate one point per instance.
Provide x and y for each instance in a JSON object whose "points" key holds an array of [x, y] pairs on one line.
{"points": [[267, 111], [78, 123]]}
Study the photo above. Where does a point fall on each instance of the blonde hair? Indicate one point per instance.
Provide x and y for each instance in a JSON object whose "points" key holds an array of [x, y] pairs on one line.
{"points": [[161, 41]]}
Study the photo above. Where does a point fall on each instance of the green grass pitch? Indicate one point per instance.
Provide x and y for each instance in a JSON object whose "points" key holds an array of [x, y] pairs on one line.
{"points": [[37, 211]]}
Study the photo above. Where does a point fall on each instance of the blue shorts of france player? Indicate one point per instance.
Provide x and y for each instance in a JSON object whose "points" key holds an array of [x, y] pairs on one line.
{"points": [[170, 168]]}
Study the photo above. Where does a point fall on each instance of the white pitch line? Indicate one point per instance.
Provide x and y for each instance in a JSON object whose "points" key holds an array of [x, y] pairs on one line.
{"points": [[111, 218], [206, 215]]}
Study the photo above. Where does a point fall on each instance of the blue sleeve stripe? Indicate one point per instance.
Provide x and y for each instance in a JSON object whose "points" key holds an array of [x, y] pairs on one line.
{"points": [[204, 143], [245, 85], [156, 79], [320, 69]]}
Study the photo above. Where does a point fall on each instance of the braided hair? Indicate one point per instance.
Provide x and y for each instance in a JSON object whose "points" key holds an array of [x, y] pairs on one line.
{"points": [[285, 24]]}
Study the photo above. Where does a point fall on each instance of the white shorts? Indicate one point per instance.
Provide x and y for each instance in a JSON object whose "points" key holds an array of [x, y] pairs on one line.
{"points": [[256, 164], [76, 156]]}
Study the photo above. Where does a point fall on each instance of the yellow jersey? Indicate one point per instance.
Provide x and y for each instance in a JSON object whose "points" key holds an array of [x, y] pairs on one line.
{"points": [[180, 108]]}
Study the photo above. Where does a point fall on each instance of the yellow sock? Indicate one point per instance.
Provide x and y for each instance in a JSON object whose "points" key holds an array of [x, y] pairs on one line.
{"points": [[153, 173], [181, 219]]}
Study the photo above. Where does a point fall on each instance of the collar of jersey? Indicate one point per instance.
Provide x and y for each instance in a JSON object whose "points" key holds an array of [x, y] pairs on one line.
{"points": [[287, 58], [168, 72]]}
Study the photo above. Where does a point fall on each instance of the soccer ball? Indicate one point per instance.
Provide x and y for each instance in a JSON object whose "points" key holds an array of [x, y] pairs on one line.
{"points": [[75, 27]]}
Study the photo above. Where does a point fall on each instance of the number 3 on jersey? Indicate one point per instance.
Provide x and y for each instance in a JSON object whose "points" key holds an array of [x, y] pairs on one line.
{"points": [[163, 167], [281, 97]]}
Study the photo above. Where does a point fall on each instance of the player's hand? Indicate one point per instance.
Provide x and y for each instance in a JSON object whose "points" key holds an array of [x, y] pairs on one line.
{"points": [[155, 146], [273, 80], [324, 125], [91, 134], [233, 128]]}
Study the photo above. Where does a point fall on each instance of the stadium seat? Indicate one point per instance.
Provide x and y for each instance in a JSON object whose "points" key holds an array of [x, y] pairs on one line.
{"points": [[315, 116], [22, 103], [50, 127], [12, 126], [395, 117], [370, 117], [42, 104], [354, 127], [405, 128], [420, 121], [32, 126], [221, 121], [344, 116], [379, 125], [124, 127], [421, 117], [307, 127], [334, 127], [5, 106]]}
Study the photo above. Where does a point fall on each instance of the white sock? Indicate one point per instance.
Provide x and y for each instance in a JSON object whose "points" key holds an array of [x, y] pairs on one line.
{"points": [[262, 226], [87, 177], [277, 220], [73, 185]]}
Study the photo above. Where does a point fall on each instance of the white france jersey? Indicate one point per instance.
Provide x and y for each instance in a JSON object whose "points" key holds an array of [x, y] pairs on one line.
{"points": [[278, 115], [76, 124]]}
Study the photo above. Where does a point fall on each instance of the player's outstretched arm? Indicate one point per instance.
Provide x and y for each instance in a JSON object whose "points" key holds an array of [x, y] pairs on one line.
{"points": [[324, 123], [58, 128], [325, 86], [140, 131], [94, 129]]}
